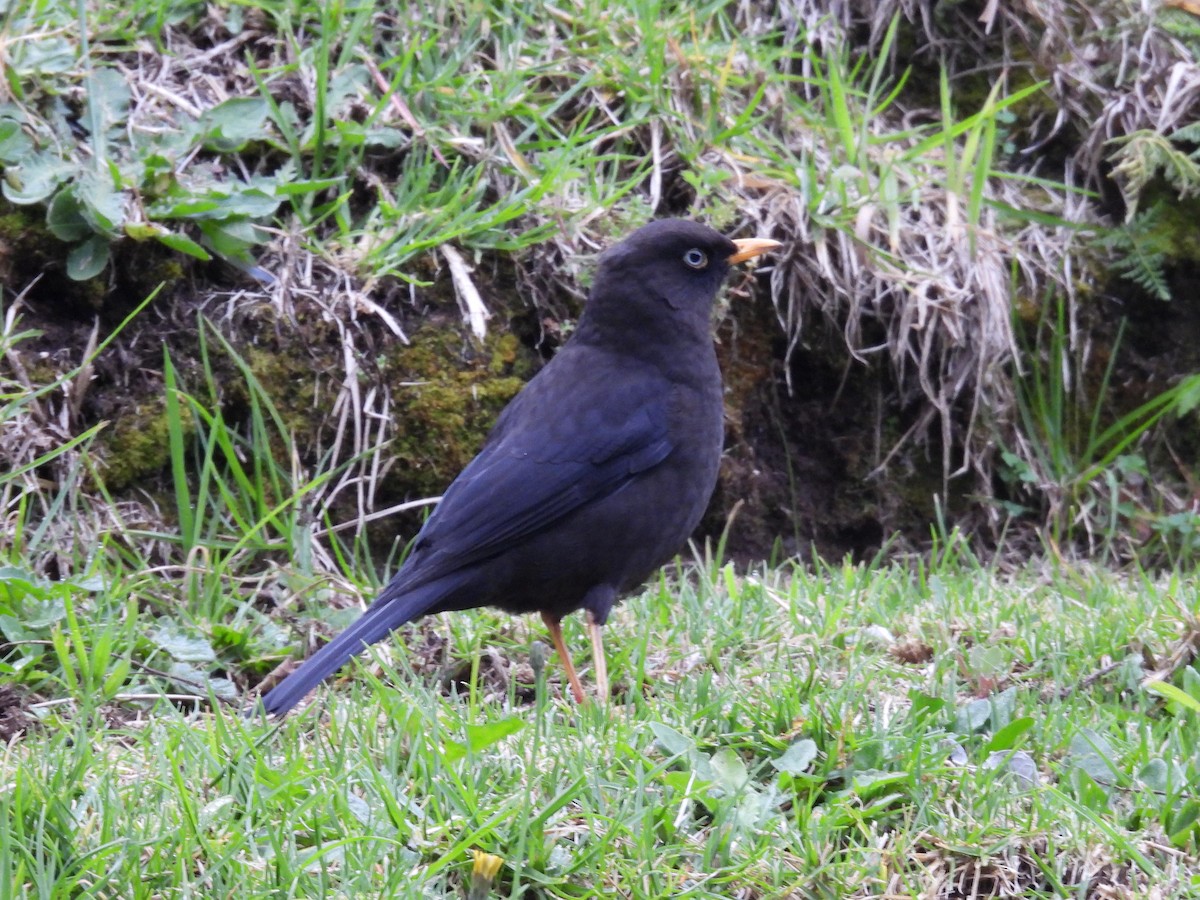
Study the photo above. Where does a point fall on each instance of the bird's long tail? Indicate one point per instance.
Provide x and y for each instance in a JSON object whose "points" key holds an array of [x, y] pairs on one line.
{"points": [[391, 610]]}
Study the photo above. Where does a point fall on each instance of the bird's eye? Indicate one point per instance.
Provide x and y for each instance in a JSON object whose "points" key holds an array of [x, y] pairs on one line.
{"points": [[695, 258]]}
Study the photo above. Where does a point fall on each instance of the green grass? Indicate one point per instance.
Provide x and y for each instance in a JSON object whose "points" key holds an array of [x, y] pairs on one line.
{"points": [[830, 731], [767, 739], [906, 730], [381, 135]]}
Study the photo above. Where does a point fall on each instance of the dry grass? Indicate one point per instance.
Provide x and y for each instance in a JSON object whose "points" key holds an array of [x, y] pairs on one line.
{"points": [[1114, 67], [943, 289]]}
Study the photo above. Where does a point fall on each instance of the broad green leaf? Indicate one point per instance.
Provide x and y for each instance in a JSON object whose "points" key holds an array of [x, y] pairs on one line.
{"points": [[1006, 737], [480, 737], [254, 203], [925, 704], [184, 207], [670, 740], [973, 716], [701, 765], [87, 260], [360, 809], [1191, 681], [48, 55], [1189, 396], [1183, 823], [183, 244], [797, 758], [183, 646], [1092, 753], [1184, 699], [298, 188], [686, 784], [20, 582], [92, 583], [64, 217], [729, 770], [232, 239], [869, 785], [101, 203], [1155, 775], [196, 681], [142, 231], [33, 619], [15, 144], [107, 108], [755, 808], [229, 126], [221, 206], [988, 660], [1003, 705], [35, 179]]}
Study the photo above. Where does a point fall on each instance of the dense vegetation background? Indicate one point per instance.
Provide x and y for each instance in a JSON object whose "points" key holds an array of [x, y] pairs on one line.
{"points": [[269, 272], [981, 316]]}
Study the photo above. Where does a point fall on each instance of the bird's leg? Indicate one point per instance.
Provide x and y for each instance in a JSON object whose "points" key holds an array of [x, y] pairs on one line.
{"points": [[598, 661], [560, 645]]}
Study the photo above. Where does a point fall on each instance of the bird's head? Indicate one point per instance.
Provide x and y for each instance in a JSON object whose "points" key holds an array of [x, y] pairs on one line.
{"points": [[670, 267]]}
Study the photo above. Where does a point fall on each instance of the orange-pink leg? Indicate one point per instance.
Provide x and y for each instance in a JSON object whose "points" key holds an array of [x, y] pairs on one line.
{"points": [[560, 645]]}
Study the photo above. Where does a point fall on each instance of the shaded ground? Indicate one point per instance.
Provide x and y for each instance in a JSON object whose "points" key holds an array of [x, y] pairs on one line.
{"points": [[794, 464], [803, 465], [15, 719]]}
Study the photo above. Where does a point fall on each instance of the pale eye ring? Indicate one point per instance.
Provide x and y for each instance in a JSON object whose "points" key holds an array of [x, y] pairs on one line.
{"points": [[695, 258]]}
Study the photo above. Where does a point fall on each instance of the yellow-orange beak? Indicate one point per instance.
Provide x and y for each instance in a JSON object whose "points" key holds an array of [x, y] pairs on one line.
{"points": [[748, 248]]}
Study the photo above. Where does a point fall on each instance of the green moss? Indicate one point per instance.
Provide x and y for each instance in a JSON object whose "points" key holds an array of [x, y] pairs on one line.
{"points": [[14, 225], [154, 267], [1177, 226], [504, 353], [446, 399], [289, 376], [26, 244], [446, 395], [136, 446]]}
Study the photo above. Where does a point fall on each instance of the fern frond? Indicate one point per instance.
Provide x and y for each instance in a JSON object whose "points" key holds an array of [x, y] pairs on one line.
{"points": [[1141, 248], [1143, 155]]}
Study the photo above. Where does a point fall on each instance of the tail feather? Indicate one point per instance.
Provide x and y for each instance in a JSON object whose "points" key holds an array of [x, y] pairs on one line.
{"points": [[383, 617]]}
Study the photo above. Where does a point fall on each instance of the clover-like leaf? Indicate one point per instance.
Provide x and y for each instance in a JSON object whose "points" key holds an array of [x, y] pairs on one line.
{"points": [[88, 259]]}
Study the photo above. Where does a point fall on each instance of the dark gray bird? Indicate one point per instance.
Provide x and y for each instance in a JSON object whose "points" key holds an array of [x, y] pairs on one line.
{"points": [[594, 475]]}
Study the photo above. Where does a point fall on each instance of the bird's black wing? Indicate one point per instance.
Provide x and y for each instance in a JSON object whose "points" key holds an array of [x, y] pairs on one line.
{"points": [[542, 461], [547, 456]]}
